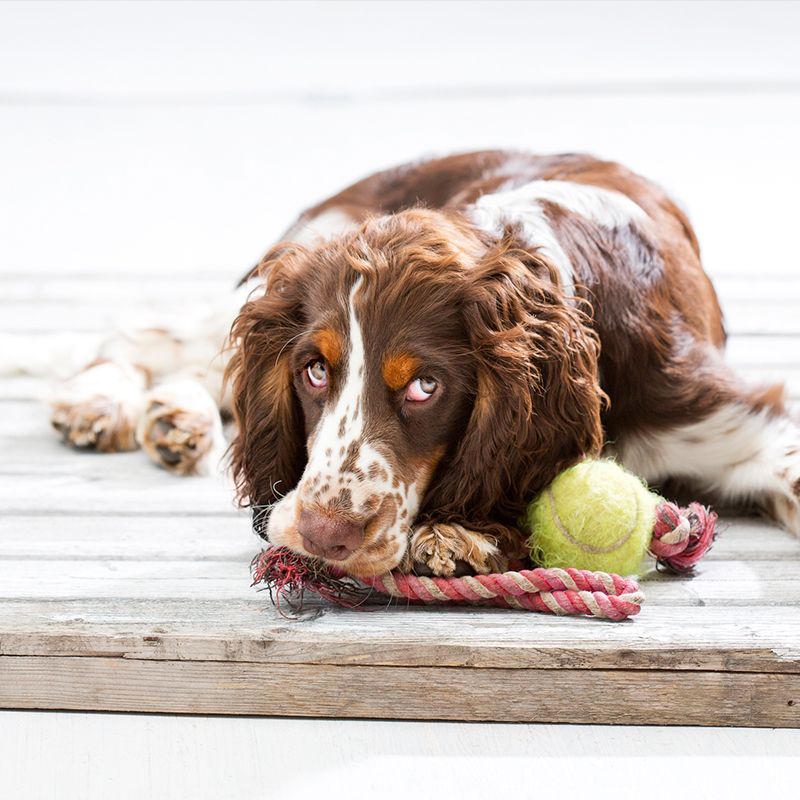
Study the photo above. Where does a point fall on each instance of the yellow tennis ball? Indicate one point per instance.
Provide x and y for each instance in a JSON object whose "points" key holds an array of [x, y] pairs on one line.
{"points": [[594, 516]]}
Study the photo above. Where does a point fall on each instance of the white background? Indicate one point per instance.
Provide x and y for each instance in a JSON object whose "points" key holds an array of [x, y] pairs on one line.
{"points": [[152, 137]]}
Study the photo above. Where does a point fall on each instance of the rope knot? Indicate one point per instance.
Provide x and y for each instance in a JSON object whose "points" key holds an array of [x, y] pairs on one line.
{"points": [[682, 536]]}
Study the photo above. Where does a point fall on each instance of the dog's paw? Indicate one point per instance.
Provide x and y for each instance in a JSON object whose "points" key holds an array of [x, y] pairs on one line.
{"points": [[181, 429], [447, 548], [99, 408]]}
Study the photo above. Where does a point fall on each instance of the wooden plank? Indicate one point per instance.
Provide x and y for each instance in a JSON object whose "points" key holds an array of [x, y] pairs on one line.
{"points": [[219, 537], [757, 288], [206, 628], [525, 695], [77, 482], [731, 583], [229, 537]]}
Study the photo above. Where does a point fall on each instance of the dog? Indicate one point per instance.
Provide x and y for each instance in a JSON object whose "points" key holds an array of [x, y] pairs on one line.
{"points": [[425, 351]]}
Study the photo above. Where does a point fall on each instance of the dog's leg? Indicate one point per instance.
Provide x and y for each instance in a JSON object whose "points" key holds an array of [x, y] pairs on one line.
{"points": [[160, 388], [745, 451], [181, 428], [454, 548], [99, 408]]}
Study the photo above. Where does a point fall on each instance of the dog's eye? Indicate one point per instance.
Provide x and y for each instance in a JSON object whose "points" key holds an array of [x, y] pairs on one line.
{"points": [[421, 389], [317, 374]]}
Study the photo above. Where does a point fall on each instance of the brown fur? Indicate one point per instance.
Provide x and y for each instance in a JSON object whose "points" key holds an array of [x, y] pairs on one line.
{"points": [[526, 383]]}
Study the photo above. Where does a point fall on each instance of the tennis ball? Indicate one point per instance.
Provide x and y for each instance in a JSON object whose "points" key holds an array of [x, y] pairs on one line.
{"points": [[594, 516]]}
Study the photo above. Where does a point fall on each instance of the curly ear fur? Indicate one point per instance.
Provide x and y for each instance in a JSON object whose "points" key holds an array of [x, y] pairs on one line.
{"points": [[268, 454], [538, 399]]}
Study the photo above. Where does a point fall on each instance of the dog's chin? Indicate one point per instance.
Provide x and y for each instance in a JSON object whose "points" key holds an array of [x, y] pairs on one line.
{"points": [[363, 565]]}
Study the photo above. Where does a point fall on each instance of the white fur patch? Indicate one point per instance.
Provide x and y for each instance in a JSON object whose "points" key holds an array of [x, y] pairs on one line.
{"points": [[189, 400], [736, 452], [100, 407], [370, 479], [326, 225], [523, 206], [118, 382], [327, 436]]}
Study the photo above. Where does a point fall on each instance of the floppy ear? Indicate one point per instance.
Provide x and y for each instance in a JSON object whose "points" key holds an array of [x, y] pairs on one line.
{"points": [[538, 399], [268, 452]]}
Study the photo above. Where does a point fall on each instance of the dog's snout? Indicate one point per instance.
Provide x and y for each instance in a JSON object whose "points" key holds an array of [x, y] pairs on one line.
{"points": [[329, 537]]}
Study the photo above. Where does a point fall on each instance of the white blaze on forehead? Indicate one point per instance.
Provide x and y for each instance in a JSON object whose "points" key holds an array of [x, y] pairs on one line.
{"points": [[348, 405], [342, 426], [523, 206]]}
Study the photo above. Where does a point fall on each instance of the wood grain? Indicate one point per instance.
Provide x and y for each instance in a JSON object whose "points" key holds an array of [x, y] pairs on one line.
{"points": [[521, 695], [249, 630]]}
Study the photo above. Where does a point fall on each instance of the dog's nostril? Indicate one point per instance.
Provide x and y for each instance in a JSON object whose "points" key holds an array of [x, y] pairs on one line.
{"points": [[330, 537]]}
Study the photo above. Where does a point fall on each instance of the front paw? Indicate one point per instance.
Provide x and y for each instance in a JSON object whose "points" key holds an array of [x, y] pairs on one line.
{"points": [[181, 429], [98, 408], [445, 547], [97, 423]]}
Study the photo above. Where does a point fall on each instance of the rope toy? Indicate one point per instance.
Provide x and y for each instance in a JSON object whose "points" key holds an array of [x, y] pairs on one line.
{"points": [[594, 513], [556, 591]]}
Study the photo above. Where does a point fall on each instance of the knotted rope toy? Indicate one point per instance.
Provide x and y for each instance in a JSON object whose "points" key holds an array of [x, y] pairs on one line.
{"points": [[557, 591], [640, 521]]}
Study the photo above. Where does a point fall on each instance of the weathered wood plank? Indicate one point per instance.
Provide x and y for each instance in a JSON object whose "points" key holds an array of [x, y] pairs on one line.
{"points": [[732, 583], [48, 478], [229, 537], [222, 537], [524, 695], [759, 639]]}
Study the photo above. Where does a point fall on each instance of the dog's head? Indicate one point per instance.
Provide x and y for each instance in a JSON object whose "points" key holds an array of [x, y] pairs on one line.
{"points": [[409, 369]]}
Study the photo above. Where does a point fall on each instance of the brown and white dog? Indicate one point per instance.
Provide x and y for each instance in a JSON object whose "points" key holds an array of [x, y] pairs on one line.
{"points": [[426, 350]]}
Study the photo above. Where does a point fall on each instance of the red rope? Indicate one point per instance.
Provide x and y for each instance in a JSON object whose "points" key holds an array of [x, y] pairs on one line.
{"points": [[554, 591], [680, 538]]}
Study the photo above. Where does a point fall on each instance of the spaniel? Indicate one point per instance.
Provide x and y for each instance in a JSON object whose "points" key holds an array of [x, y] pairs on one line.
{"points": [[426, 350]]}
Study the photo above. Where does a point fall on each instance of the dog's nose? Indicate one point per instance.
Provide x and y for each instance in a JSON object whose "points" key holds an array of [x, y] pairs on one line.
{"points": [[329, 537]]}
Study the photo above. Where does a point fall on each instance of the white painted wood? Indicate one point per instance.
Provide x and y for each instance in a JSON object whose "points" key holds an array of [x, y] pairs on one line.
{"points": [[74, 482], [334, 48], [79, 755], [142, 203]]}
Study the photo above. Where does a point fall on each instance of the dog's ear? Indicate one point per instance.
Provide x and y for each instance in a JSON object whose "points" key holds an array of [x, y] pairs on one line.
{"points": [[268, 453], [537, 404]]}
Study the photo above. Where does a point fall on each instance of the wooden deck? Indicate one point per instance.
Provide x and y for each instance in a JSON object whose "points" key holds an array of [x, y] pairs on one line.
{"points": [[128, 185], [124, 588]]}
